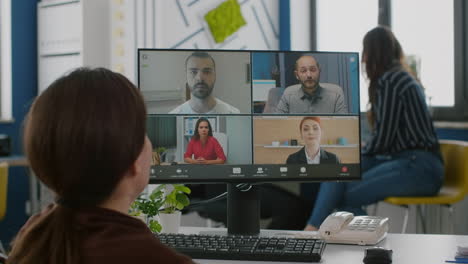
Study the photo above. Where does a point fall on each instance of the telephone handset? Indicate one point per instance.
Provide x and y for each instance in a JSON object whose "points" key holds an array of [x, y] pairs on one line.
{"points": [[344, 228]]}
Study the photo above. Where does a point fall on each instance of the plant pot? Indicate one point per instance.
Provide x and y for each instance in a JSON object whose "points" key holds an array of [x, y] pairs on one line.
{"points": [[170, 222]]}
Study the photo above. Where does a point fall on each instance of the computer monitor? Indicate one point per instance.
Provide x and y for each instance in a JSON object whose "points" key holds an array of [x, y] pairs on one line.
{"points": [[224, 116]]}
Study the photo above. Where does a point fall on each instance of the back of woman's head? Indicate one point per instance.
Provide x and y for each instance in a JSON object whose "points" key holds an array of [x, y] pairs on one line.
{"points": [[81, 135], [84, 132], [381, 52]]}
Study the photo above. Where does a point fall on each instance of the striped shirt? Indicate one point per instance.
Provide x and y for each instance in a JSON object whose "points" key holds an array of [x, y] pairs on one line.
{"points": [[402, 120]]}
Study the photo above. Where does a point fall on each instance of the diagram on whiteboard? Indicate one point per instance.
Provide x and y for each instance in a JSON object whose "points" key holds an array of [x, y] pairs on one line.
{"points": [[199, 24]]}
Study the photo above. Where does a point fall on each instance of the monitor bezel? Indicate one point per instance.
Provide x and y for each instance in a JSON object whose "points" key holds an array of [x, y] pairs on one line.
{"points": [[250, 179]]}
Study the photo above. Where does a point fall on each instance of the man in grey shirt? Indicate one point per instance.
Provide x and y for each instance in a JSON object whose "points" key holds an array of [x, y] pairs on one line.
{"points": [[309, 96]]}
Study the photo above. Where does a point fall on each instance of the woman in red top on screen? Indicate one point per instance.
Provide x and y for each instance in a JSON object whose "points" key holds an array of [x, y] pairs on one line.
{"points": [[203, 148]]}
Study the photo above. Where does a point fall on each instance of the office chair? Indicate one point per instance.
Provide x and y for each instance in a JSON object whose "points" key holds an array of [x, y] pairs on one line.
{"points": [[3, 188], [274, 96], [223, 141], [454, 188]]}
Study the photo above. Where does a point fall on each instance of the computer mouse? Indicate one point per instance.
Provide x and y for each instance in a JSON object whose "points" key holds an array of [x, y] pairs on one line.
{"points": [[173, 163], [378, 255]]}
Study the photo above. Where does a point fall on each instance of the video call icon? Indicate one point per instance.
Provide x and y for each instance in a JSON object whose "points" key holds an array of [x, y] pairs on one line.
{"points": [[283, 169]]}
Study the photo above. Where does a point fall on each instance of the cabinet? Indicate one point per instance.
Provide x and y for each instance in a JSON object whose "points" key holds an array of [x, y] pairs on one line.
{"points": [[71, 34]]}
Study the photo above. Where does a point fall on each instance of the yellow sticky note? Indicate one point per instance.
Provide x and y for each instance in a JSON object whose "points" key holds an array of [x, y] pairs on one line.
{"points": [[224, 20]]}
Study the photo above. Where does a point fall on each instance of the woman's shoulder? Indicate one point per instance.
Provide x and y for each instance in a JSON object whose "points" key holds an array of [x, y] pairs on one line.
{"points": [[395, 74], [329, 155], [296, 156], [399, 80], [122, 239], [212, 139], [131, 248]]}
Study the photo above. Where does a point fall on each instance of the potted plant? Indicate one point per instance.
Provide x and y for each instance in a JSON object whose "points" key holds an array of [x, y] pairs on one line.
{"points": [[159, 155], [164, 203]]}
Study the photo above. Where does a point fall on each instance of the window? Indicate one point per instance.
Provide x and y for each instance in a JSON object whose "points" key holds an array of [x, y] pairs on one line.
{"points": [[432, 32], [5, 61], [341, 27], [425, 30]]}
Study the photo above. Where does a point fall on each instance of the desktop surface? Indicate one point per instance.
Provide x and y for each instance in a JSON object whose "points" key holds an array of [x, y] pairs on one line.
{"points": [[407, 248]]}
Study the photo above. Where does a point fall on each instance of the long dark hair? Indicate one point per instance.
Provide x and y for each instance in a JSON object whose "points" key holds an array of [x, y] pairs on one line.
{"points": [[196, 135], [381, 53], [80, 136]]}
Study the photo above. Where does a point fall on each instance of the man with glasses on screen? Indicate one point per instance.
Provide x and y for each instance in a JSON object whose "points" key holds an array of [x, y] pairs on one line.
{"points": [[309, 96], [201, 78]]}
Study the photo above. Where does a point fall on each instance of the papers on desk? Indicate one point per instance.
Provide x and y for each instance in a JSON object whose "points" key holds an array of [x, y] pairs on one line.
{"points": [[461, 256]]}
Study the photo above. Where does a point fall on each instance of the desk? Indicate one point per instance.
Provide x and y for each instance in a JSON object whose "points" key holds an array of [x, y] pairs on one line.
{"points": [[21, 161], [407, 248]]}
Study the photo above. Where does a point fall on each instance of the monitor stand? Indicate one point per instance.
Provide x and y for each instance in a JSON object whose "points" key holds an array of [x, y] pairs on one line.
{"points": [[243, 211], [243, 214]]}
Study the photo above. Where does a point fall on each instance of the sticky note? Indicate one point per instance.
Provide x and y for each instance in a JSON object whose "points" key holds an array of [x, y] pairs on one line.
{"points": [[224, 20]]}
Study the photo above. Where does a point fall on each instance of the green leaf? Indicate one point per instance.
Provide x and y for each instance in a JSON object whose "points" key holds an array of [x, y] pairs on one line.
{"points": [[154, 226], [182, 188], [156, 195], [183, 199], [161, 187]]}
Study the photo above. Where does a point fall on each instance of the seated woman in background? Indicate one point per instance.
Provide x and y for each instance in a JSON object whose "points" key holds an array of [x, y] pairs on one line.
{"points": [[96, 158], [402, 157], [203, 148]]}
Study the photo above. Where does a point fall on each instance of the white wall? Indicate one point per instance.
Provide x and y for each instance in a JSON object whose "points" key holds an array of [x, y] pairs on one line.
{"points": [[239, 131], [180, 24], [163, 78], [300, 24]]}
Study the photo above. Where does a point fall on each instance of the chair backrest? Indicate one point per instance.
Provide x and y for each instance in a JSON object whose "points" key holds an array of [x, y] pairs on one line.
{"points": [[3, 188], [274, 96], [223, 141], [455, 154]]}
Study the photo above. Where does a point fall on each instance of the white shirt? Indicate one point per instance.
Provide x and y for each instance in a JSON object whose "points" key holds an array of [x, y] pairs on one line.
{"points": [[315, 160], [219, 108]]}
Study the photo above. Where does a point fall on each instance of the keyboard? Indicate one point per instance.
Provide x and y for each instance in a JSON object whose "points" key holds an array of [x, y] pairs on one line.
{"points": [[246, 247]]}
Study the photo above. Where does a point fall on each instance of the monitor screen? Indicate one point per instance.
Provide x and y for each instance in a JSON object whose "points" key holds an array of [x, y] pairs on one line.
{"points": [[251, 116]]}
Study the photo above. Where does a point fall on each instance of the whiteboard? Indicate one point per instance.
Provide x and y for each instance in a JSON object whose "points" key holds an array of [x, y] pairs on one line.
{"points": [[179, 24]]}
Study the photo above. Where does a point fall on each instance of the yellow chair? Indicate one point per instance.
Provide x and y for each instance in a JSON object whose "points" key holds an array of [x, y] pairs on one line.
{"points": [[3, 188], [454, 188]]}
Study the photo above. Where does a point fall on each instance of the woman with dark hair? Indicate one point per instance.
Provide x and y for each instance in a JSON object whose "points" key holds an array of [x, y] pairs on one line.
{"points": [[203, 148], [96, 158], [402, 157]]}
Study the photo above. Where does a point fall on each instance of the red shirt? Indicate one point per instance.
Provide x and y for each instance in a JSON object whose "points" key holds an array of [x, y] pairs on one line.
{"points": [[211, 151]]}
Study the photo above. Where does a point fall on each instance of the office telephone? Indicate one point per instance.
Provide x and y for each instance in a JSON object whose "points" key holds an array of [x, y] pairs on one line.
{"points": [[344, 228]]}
